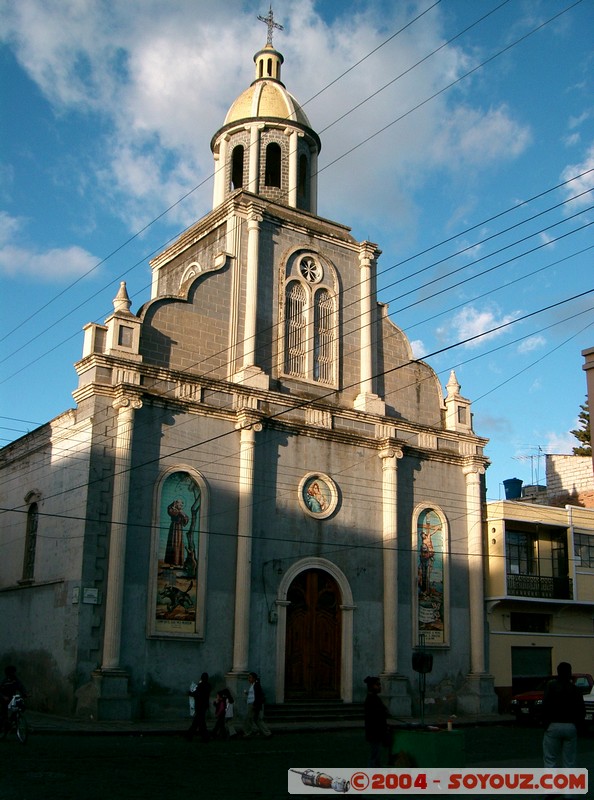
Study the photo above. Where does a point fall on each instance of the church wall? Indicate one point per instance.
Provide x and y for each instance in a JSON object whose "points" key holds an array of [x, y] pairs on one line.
{"points": [[192, 335], [160, 665], [49, 467], [203, 246]]}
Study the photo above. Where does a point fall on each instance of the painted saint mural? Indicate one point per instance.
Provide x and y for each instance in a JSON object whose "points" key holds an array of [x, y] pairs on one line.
{"points": [[430, 577], [177, 561]]}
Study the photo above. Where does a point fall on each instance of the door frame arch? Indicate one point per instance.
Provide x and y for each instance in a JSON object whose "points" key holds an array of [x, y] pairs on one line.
{"points": [[347, 607]]}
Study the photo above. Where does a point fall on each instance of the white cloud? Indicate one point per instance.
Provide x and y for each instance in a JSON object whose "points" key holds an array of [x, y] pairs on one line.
{"points": [[531, 343], [161, 78], [580, 184], [418, 348], [474, 137], [561, 443], [56, 264], [471, 322]]}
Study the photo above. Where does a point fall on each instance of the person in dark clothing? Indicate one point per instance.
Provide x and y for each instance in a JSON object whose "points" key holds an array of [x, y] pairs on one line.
{"points": [[10, 686], [376, 721], [563, 712], [201, 695], [254, 724]]}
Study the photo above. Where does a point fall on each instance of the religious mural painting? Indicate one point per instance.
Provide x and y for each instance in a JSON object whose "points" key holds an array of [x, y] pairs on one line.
{"points": [[431, 575], [177, 593], [318, 495]]}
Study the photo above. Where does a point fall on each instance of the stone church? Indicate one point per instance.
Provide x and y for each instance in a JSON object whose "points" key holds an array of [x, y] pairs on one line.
{"points": [[257, 474]]}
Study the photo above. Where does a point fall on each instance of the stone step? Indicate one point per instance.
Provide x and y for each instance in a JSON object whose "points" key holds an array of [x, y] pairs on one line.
{"points": [[313, 711]]}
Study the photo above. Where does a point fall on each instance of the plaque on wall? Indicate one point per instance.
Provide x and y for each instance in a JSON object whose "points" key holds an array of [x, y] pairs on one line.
{"points": [[318, 495]]}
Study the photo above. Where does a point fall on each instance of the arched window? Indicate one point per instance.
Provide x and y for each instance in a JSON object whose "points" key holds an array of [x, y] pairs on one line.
{"points": [[310, 322], [237, 167], [296, 330], [430, 552], [323, 336], [30, 542], [179, 556], [272, 175], [302, 182], [269, 66]]}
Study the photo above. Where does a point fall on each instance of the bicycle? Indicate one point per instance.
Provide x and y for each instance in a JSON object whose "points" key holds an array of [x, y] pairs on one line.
{"points": [[16, 720]]}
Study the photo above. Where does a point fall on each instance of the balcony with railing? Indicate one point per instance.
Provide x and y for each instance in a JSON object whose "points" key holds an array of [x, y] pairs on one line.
{"points": [[539, 586]]}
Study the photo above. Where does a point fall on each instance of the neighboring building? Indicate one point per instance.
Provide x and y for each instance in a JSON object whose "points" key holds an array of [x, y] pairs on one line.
{"points": [[569, 481], [258, 475], [589, 368], [539, 592]]}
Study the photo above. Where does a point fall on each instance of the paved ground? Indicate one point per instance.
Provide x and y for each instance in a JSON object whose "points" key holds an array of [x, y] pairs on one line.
{"points": [[59, 763]]}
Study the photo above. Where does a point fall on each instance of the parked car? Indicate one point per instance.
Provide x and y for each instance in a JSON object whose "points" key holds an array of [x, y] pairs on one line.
{"points": [[589, 703], [527, 706]]}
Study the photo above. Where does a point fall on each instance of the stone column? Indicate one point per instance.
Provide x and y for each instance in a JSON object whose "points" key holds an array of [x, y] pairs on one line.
{"points": [[248, 427], [393, 685], [478, 696], [220, 179], [250, 373], [366, 399], [254, 159], [476, 603], [106, 696], [389, 456], [125, 407], [293, 168]]}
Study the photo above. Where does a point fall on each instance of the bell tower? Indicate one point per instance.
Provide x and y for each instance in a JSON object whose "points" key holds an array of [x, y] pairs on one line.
{"points": [[266, 145]]}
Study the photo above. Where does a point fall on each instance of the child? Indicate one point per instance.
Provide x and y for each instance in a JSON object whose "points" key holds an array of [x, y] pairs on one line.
{"points": [[231, 732], [220, 706]]}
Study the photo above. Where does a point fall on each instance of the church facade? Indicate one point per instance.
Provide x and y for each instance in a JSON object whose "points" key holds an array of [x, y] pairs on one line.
{"points": [[257, 475]]}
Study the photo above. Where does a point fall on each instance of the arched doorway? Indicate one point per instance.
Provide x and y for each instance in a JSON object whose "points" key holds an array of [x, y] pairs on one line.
{"points": [[313, 636]]}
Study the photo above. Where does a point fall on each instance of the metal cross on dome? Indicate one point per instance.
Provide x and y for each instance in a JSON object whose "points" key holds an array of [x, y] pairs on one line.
{"points": [[269, 20]]}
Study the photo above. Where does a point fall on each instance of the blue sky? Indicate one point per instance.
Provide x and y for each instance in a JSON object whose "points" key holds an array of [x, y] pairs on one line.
{"points": [[443, 141]]}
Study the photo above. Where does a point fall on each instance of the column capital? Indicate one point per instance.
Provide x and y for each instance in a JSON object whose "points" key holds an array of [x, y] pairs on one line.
{"points": [[389, 451], [368, 252], [473, 469], [131, 401], [254, 216], [248, 421]]}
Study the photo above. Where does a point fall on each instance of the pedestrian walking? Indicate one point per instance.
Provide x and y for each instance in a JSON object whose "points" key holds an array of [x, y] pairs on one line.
{"points": [[219, 730], [376, 721], [563, 713], [254, 724], [201, 695], [229, 713]]}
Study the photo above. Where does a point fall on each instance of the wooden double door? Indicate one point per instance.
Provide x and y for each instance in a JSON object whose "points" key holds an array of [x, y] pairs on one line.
{"points": [[314, 633]]}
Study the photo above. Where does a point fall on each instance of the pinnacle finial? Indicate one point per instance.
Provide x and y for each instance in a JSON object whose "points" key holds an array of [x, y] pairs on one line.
{"points": [[269, 20], [452, 385], [122, 301]]}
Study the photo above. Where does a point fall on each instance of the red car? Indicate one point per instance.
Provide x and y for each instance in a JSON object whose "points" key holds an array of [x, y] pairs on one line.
{"points": [[528, 705]]}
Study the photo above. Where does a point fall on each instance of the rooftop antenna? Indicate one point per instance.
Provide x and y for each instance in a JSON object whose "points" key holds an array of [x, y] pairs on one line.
{"points": [[269, 20], [531, 458]]}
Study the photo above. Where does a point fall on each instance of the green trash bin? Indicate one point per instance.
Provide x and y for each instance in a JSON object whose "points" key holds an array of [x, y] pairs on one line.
{"points": [[426, 749]]}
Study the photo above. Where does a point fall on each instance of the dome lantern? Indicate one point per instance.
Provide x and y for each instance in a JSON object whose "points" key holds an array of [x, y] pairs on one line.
{"points": [[266, 145]]}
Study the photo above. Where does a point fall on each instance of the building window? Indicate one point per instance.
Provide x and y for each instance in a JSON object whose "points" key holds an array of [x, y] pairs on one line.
{"points": [[302, 177], [237, 167], [520, 553], [30, 542], [296, 329], [323, 336], [310, 324], [529, 623], [430, 547], [583, 548], [179, 557], [125, 336], [272, 175]]}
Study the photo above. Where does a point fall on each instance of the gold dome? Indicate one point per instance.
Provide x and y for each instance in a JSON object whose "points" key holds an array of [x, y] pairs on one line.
{"points": [[266, 99]]}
